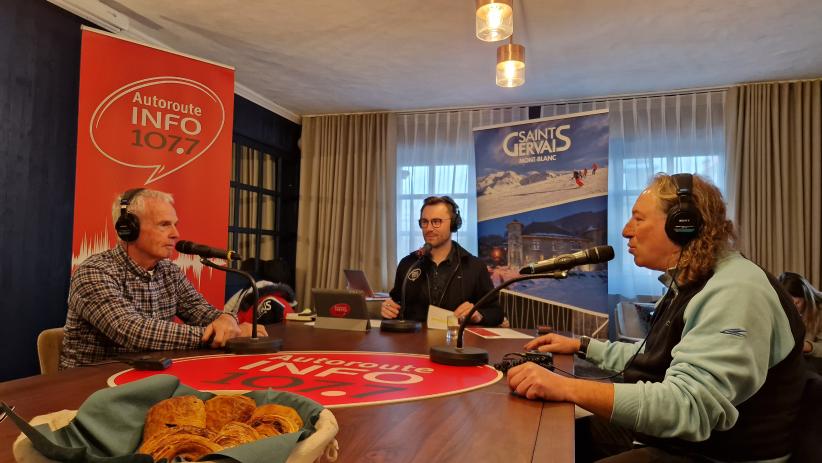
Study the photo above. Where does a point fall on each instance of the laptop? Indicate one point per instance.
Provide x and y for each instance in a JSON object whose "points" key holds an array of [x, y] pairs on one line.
{"points": [[340, 309], [357, 280]]}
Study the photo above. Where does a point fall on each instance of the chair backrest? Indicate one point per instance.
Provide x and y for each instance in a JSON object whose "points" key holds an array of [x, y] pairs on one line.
{"points": [[49, 346], [809, 427]]}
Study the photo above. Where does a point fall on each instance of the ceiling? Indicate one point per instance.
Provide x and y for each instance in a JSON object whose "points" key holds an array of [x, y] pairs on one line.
{"points": [[334, 56]]}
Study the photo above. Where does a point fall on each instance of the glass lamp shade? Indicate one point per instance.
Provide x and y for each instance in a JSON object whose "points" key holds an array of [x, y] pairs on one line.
{"points": [[495, 20], [510, 65]]}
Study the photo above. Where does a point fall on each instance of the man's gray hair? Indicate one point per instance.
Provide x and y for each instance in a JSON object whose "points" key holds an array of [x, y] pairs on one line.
{"points": [[137, 204]]}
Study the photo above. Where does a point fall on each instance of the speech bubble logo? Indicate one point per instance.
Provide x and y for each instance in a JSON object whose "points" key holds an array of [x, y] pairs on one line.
{"points": [[160, 123], [340, 310]]}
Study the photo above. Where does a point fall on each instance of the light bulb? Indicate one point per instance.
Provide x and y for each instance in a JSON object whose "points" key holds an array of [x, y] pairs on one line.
{"points": [[495, 20], [510, 65]]}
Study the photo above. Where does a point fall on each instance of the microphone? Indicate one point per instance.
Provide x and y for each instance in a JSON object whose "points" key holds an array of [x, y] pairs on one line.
{"points": [[424, 250], [400, 324], [556, 268], [594, 255], [190, 247]]}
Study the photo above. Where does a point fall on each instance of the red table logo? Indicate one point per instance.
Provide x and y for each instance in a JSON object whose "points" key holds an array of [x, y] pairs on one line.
{"points": [[334, 379], [340, 310]]}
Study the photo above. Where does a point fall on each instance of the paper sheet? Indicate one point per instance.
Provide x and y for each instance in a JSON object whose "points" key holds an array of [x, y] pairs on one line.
{"points": [[438, 318]]}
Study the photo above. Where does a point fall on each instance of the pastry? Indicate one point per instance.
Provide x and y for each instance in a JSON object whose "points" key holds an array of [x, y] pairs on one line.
{"points": [[283, 419], [224, 409], [235, 433], [176, 411]]}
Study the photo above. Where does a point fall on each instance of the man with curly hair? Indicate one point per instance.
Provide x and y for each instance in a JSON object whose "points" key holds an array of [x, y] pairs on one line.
{"points": [[719, 376]]}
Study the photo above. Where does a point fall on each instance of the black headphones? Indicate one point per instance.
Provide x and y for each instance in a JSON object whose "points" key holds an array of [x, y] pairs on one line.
{"points": [[456, 218], [684, 221], [128, 224]]}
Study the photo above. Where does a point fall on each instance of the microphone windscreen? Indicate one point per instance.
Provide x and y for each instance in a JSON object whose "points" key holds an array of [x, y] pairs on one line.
{"points": [[601, 254], [424, 250], [184, 246]]}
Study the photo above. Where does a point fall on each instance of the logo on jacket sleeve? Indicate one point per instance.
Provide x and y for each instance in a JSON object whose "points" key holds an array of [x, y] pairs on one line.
{"points": [[738, 332]]}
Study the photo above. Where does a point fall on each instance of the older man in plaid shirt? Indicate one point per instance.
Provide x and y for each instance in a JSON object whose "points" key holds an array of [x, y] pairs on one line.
{"points": [[125, 299]]}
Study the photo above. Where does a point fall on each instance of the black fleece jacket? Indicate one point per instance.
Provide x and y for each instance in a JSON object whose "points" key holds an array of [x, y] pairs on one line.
{"points": [[469, 281]]}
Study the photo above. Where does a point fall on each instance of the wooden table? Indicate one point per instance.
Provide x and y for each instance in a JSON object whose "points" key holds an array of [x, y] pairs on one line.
{"points": [[484, 425]]}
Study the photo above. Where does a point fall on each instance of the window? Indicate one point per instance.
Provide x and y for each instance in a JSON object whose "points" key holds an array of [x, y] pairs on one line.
{"points": [[435, 156], [415, 183], [255, 200]]}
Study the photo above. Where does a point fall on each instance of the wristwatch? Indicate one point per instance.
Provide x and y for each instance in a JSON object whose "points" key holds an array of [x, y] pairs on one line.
{"points": [[583, 346]]}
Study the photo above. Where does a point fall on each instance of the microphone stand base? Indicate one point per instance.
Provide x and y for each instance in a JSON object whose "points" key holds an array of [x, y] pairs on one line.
{"points": [[249, 345], [459, 356], [400, 326]]}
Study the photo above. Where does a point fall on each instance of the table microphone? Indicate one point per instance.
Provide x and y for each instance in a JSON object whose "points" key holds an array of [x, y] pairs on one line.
{"points": [[556, 268], [400, 324], [594, 255], [240, 345]]}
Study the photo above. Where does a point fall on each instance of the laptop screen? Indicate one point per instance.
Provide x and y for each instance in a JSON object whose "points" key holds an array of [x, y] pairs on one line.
{"points": [[338, 303], [358, 281]]}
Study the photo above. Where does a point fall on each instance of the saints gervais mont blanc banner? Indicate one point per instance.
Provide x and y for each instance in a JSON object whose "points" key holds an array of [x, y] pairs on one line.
{"points": [[542, 191]]}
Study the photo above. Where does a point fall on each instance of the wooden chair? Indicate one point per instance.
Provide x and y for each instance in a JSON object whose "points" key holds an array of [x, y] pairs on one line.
{"points": [[49, 346], [808, 429]]}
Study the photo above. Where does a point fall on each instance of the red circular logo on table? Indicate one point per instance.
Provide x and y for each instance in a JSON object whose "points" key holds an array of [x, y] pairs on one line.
{"points": [[334, 379], [340, 310]]}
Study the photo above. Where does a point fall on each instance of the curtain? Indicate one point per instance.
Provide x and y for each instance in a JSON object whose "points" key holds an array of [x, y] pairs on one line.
{"points": [[666, 133], [435, 156], [775, 174], [346, 201]]}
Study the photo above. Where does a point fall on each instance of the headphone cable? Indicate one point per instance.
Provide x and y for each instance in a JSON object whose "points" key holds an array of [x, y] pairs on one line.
{"points": [[650, 330]]}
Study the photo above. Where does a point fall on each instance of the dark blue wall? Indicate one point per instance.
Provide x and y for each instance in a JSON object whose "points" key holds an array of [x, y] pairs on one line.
{"points": [[39, 76]]}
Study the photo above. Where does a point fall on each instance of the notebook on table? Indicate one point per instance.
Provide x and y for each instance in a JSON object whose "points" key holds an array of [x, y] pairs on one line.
{"points": [[357, 281]]}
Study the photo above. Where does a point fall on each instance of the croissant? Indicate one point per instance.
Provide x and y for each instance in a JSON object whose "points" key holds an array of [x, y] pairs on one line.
{"points": [[151, 445], [176, 411], [188, 447], [283, 419], [235, 433], [224, 409], [267, 430]]}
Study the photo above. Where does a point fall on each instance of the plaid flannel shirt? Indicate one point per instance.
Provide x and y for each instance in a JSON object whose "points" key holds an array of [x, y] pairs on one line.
{"points": [[115, 306]]}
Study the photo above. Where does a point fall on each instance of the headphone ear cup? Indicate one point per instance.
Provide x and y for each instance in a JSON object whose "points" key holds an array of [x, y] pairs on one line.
{"points": [[457, 222], [128, 227], [682, 224]]}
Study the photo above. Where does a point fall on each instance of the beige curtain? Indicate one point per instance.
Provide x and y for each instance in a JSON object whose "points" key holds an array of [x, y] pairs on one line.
{"points": [[774, 143], [347, 213]]}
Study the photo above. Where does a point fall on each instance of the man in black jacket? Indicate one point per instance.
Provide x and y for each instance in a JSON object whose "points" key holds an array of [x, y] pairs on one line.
{"points": [[449, 277]]}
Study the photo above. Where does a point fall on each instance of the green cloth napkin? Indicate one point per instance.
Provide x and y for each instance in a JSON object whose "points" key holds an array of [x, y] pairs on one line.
{"points": [[109, 424]]}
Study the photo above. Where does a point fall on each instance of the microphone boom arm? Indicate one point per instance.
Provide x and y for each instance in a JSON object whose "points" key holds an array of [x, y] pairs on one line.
{"points": [[250, 278], [557, 275]]}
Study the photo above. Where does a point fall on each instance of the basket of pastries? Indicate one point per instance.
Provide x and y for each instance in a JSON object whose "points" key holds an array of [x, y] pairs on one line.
{"points": [[158, 419]]}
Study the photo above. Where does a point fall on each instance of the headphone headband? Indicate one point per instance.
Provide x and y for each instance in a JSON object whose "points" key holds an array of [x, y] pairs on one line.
{"points": [[456, 218]]}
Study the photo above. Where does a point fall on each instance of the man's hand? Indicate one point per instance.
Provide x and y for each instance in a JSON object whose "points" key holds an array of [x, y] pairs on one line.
{"points": [[245, 330], [221, 329], [463, 309], [535, 382], [553, 342], [389, 309]]}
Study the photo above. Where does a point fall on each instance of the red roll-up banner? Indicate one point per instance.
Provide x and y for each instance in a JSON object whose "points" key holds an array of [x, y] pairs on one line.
{"points": [[151, 118]]}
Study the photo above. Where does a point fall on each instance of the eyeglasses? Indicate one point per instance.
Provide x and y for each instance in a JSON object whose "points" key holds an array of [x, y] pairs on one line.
{"points": [[436, 223]]}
